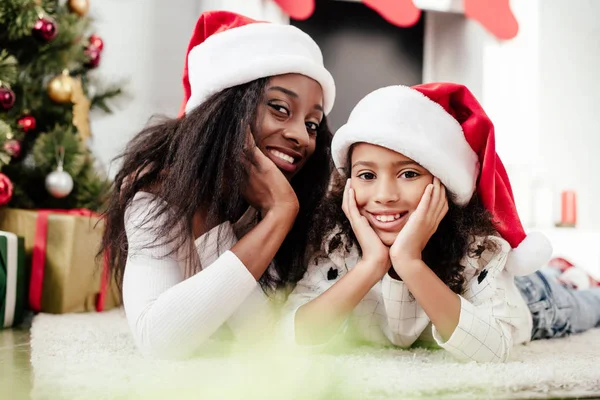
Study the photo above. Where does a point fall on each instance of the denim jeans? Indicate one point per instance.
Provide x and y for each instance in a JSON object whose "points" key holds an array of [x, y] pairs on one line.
{"points": [[557, 310]]}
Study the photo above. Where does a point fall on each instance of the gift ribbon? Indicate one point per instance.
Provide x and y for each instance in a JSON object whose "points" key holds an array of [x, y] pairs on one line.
{"points": [[11, 278], [38, 262]]}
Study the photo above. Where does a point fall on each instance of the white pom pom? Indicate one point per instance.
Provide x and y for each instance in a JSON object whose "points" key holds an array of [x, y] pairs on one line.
{"points": [[529, 256]]}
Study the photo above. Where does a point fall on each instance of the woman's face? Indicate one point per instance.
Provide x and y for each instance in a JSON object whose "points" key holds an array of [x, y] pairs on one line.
{"points": [[290, 118]]}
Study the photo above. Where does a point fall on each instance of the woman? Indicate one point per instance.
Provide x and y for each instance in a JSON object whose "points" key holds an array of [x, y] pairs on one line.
{"points": [[210, 210]]}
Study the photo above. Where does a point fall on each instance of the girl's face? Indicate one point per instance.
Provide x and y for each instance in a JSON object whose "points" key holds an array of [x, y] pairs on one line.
{"points": [[291, 115], [388, 187]]}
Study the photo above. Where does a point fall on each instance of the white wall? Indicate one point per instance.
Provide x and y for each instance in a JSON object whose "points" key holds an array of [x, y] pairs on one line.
{"points": [[453, 50], [539, 89], [570, 100], [145, 43]]}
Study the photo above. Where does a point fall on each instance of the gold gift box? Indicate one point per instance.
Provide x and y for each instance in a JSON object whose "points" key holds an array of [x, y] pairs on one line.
{"points": [[72, 275]]}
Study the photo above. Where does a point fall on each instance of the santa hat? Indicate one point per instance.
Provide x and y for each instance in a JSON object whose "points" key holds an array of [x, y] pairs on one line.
{"points": [[444, 128], [228, 49]]}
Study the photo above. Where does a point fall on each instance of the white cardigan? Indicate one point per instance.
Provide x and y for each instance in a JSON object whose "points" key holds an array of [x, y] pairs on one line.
{"points": [[170, 316]]}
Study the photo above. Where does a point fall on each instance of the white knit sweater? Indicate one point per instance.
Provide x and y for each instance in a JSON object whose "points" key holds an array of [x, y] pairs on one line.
{"points": [[493, 315], [170, 316]]}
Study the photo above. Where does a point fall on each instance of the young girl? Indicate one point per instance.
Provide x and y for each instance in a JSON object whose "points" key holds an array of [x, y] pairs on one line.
{"points": [[429, 241], [240, 170]]}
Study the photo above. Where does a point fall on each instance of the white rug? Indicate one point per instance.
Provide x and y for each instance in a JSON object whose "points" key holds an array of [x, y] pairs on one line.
{"points": [[91, 356]]}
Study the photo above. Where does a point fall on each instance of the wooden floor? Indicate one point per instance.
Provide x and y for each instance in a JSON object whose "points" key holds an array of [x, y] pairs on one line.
{"points": [[15, 365]]}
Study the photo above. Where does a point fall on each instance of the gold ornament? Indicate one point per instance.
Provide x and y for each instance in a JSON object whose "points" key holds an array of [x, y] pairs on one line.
{"points": [[79, 7], [81, 110], [60, 88]]}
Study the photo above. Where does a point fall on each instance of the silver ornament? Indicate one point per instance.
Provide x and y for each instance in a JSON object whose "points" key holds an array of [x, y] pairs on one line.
{"points": [[59, 183]]}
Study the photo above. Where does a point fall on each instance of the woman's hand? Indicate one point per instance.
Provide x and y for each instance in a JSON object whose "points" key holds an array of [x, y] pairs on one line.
{"points": [[419, 228], [267, 188], [374, 253]]}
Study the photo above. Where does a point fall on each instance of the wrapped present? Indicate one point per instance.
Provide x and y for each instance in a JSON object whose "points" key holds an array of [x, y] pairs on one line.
{"points": [[13, 280], [61, 248]]}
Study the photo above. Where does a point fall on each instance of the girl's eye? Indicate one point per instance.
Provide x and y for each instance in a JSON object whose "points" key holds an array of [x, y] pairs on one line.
{"points": [[280, 109], [367, 176], [409, 174], [312, 127]]}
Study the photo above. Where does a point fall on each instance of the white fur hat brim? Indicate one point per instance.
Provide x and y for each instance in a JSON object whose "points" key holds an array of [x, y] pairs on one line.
{"points": [[246, 53]]}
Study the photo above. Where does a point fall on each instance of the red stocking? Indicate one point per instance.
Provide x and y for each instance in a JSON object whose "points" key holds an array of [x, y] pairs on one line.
{"points": [[495, 15], [401, 13], [297, 9]]}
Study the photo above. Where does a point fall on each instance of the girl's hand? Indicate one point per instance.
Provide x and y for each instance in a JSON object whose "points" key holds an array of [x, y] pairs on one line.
{"points": [[421, 225], [374, 252]]}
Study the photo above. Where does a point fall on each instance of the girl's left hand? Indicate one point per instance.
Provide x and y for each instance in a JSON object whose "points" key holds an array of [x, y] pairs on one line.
{"points": [[421, 225]]}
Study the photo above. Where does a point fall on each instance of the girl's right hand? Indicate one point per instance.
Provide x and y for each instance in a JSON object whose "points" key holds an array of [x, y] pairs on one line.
{"points": [[374, 252], [267, 188]]}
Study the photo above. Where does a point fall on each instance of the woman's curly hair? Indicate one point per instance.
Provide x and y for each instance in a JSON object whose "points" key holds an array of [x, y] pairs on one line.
{"points": [[454, 238]]}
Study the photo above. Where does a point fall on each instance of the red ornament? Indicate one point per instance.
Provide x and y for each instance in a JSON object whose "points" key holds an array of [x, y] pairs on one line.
{"points": [[7, 98], [6, 189], [93, 56], [45, 29], [27, 123], [12, 148], [97, 41]]}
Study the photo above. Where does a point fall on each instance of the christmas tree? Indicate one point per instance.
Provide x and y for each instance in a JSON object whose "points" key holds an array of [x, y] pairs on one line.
{"points": [[47, 53]]}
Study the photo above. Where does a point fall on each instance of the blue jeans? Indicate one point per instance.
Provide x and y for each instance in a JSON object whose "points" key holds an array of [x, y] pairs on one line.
{"points": [[558, 311]]}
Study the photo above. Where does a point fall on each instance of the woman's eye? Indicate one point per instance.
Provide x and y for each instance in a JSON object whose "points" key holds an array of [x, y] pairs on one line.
{"points": [[280, 109], [409, 174], [367, 176], [312, 127]]}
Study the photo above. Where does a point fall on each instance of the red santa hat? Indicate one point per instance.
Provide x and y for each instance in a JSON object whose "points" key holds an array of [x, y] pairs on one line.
{"points": [[444, 128], [228, 49]]}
